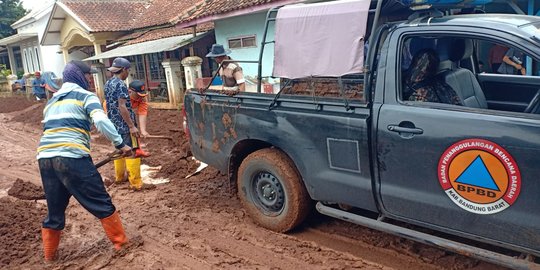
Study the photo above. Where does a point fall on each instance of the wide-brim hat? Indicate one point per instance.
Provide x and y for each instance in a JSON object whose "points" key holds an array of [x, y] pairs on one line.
{"points": [[218, 50]]}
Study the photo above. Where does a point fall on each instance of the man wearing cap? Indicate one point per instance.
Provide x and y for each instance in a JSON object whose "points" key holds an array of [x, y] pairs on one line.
{"points": [[38, 86], [139, 102], [64, 160], [230, 72], [120, 111]]}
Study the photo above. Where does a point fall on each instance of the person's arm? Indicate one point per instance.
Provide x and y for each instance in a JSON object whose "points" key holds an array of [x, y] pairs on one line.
{"points": [[124, 112], [103, 124], [239, 77], [507, 59]]}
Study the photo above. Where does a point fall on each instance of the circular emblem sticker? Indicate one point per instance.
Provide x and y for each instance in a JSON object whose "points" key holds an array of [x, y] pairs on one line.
{"points": [[479, 176]]}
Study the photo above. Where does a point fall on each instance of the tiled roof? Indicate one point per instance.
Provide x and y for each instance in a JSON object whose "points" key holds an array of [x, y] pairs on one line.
{"points": [[107, 15], [163, 12], [143, 36], [127, 15], [213, 7]]}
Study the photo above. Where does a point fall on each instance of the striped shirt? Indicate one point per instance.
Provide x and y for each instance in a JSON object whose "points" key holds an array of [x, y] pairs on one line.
{"points": [[68, 117]]}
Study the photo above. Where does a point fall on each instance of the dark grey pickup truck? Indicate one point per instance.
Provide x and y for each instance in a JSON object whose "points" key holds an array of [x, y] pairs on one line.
{"points": [[423, 141]]}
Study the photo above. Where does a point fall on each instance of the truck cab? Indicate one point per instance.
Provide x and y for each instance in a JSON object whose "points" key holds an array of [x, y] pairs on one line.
{"points": [[420, 134]]}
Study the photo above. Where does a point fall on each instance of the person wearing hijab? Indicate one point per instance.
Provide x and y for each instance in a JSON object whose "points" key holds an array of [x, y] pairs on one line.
{"points": [[64, 160], [423, 84]]}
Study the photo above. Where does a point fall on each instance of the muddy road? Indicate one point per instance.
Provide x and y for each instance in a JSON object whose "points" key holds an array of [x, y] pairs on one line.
{"points": [[194, 223]]}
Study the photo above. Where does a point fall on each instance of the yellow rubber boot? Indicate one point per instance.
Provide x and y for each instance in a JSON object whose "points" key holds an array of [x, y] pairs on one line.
{"points": [[119, 170], [133, 166]]}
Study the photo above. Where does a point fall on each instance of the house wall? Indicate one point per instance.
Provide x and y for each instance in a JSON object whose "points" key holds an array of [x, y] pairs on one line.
{"points": [[36, 57], [251, 24]]}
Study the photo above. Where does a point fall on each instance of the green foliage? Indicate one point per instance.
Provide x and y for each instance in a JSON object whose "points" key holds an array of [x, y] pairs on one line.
{"points": [[4, 72], [10, 12]]}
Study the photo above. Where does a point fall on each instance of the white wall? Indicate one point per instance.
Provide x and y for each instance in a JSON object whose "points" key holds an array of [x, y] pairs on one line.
{"points": [[247, 25], [46, 58]]}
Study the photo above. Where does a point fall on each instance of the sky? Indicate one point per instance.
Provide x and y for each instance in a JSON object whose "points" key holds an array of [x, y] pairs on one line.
{"points": [[30, 4]]}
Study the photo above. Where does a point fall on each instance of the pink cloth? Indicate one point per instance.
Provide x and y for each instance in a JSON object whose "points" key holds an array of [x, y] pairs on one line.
{"points": [[322, 39]]}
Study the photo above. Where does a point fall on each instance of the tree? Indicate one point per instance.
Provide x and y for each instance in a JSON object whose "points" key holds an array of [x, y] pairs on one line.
{"points": [[10, 12]]}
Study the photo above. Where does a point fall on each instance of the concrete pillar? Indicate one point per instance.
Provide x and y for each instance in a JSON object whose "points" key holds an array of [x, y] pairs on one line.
{"points": [[97, 50], [192, 70], [173, 73], [65, 53], [12, 62], [99, 80]]}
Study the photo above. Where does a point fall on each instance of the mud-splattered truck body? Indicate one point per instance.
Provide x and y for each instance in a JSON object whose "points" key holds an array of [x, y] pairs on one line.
{"points": [[366, 151]]}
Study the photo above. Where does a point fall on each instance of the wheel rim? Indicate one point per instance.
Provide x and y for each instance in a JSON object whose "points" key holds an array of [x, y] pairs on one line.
{"points": [[268, 193]]}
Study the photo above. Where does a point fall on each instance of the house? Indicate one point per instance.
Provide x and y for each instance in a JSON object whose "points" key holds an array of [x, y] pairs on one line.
{"points": [[240, 27], [23, 50], [141, 30]]}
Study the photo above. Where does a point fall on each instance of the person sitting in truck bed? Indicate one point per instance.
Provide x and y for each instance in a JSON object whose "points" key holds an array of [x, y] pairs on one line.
{"points": [[422, 83]]}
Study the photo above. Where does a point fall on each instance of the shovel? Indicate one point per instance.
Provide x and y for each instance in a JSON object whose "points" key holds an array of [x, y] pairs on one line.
{"points": [[159, 137], [111, 156]]}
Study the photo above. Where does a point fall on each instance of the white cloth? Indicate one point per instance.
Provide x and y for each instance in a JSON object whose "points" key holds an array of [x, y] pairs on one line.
{"points": [[322, 39]]}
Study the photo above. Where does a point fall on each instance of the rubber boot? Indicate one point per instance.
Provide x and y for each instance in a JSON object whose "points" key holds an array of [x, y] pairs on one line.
{"points": [[119, 170], [133, 166], [114, 230], [51, 240]]}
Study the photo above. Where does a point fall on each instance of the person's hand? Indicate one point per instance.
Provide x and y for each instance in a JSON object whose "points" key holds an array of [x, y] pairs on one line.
{"points": [[144, 134], [126, 151], [134, 131], [523, 71]]}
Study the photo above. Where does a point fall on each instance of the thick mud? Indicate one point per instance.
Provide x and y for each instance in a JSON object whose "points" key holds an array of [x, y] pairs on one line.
{"points": [[185, 223]]}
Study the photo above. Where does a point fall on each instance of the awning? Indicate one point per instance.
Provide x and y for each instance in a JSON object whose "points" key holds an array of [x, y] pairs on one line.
{"points": [[16, 38], [154, 46]]}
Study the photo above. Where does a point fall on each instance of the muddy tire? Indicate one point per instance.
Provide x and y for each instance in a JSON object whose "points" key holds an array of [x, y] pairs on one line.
{"points": [[272, 191]]}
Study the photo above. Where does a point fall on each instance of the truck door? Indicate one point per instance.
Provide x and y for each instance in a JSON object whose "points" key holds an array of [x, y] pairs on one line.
{"points": [[465, 168]]}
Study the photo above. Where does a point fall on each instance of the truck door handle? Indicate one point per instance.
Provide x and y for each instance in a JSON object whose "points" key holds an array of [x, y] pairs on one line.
{"points": [[399, 129]]}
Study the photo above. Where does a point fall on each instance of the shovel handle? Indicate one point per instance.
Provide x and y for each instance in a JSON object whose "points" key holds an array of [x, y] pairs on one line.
{"points": [[111, 156]]}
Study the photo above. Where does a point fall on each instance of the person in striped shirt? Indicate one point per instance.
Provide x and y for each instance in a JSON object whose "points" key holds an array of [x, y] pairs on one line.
{"points": [[64, 160]]}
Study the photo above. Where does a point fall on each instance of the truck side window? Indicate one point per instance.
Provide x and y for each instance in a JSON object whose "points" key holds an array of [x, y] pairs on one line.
{"points": [[470, 72]]}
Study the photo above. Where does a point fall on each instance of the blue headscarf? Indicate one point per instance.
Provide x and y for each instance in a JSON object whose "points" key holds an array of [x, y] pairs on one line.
{"points": [[73, 74]]}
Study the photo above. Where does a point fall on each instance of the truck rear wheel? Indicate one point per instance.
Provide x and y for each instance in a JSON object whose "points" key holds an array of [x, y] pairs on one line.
{"points": [[272, 191]]}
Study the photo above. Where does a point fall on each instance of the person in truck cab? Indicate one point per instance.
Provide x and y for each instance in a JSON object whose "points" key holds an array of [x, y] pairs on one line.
{"points": [[423, 84], [512, 63], [231, 73]]}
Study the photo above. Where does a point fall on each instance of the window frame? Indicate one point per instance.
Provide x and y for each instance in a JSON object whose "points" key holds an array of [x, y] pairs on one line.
{"points": [[241, 39]]}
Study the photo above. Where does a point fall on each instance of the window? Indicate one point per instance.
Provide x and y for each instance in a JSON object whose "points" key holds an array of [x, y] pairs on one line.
{"points": [[468, 72], [137, 64], [37, 58], [156, 69], [26, 63], [242, 42]]}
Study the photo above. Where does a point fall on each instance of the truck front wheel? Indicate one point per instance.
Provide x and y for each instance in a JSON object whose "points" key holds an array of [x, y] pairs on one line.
{"points": [[271, 190]]}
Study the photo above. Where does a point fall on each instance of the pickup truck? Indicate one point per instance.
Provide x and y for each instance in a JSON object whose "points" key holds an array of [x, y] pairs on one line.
{"points": [[369, 147]]}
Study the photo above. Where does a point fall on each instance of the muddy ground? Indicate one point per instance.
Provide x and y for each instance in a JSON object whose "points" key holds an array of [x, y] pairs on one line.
{"points": [[194, 223]]}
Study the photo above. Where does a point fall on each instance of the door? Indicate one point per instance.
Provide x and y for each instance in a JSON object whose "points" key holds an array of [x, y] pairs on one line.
{"points": [[460, 169]]}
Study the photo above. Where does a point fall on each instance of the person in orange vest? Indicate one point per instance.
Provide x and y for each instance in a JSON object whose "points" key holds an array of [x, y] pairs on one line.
{"points": [[139, 103]]}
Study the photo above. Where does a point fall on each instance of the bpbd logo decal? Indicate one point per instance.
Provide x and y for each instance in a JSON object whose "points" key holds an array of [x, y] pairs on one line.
{"points": [[479, 176]]}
